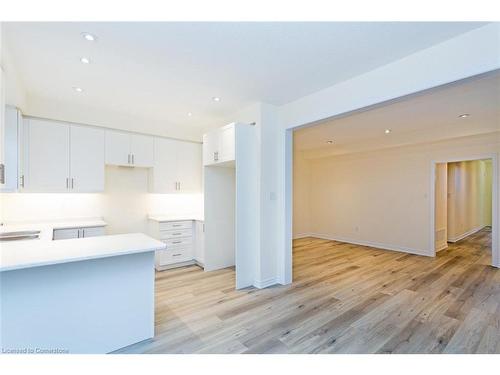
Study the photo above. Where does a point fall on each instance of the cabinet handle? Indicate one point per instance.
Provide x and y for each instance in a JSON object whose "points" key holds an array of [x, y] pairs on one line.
{"points": [[128, 161], [216, 155], [132, 158], [174, 242], [176, 234], [2, 173], [67, 183], [176, 255], [72, 183], [78, 233], [83, 233], [22, 181], [177, 225], [179, 185]]}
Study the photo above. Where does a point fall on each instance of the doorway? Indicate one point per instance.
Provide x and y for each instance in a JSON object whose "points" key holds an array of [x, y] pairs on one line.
{"points": [[465, 196]]}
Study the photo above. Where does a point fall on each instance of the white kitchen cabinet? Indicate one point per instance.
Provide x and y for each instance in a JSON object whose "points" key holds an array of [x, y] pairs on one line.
{"points": [[117, 148], [68, 233], [12, 129], [127, 149], [219, 145], [2, 128], [46, 156], [59, 157], [86, 159], [177, 167], [142, 150]]}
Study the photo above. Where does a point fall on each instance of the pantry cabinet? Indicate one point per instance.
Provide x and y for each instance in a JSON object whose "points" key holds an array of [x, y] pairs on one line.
{"points": [[127, 149], [219, 146], [177, 167], [61, 157]]}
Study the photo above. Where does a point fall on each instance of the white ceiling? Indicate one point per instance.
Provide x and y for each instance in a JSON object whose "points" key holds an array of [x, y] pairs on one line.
{"points": [[425, 117], [164, 70]]}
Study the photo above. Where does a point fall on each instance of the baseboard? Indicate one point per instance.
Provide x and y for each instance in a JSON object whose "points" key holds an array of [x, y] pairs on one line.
{"points": [[301, 235], [375, 245], [466, 234], [444, 246], [261, 284]]}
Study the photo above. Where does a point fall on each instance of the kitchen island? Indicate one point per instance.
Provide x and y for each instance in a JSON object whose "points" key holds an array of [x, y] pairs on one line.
{"points": [[87, 295]]}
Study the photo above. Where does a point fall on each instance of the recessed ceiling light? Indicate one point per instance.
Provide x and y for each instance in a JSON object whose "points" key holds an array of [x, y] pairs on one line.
{"points": [[329, 142], [78, 89], [216, 99], [387, 131], [89, 37], [189, 114], [464, 115], [85, 60]]}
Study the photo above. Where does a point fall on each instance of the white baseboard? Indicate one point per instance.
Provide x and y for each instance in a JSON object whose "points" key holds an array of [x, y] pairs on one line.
{"points": [[376, 245], [301, 235], [466, 234], [261, 284], [442, 247]]}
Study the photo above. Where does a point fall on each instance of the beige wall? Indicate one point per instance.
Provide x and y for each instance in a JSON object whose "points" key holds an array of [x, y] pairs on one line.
{"points": [[381, 198], [124, 205], [469, 197], [441, 203]]}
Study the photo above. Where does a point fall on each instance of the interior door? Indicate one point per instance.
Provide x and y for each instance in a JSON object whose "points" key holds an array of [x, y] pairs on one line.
{"points": [[86, 159], [189, 165], [47, 156], [117, 149], [142, 150], [165, 166]]}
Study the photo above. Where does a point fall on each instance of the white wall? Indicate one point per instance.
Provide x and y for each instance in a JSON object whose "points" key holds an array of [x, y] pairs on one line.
{"points": [[124, 205], [441, 204], [382, 198], [301, 199]]}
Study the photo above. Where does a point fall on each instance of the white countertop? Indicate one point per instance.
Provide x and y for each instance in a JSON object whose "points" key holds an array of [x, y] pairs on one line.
{"points": [[46, 228], [35, 253], [176, 217]]}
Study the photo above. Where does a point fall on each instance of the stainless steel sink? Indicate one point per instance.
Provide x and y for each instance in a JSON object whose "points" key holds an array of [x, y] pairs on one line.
{"points": [[20, 235]]}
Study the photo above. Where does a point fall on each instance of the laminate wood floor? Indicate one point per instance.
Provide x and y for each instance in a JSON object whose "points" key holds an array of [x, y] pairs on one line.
{"points": [[344, 299]]}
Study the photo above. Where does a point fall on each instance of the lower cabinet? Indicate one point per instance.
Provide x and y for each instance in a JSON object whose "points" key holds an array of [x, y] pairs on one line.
{"points": [[182, 240], [68, 233]]}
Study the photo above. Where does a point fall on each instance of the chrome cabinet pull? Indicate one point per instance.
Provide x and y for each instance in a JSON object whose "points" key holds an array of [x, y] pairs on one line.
{"points": [[132, 158], [176, 234], [128, 160], [83, 233], [22, 181], [216, 155], [174, 242], [177, 225], [78, 233], [2, 173], [72, 183], [176, 255], [67, 183]]}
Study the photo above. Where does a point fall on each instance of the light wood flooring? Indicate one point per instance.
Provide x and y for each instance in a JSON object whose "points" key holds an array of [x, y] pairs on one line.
{"points": [[344, 299]]}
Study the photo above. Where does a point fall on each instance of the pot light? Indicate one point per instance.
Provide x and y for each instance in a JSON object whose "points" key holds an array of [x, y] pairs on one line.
{"points": [[216, 99], [329, 142], [464, 115], [89, 37], [189, 114], [387, 131], [78, 89], [85, 60]]}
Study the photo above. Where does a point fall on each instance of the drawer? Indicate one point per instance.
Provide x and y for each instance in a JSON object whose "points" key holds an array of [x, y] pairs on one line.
{"points": [[166, 257], [171, 225], [178, 242], [177, 233]]}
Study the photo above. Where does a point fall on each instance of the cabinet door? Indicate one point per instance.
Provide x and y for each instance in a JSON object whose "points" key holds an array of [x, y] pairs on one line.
{"points": [[64, 234], [142, 150], [199, 242], [11, 148], [210, 146], [47, 156], [86, 159], [163, 178], [117, 148], [226, 143], [92, 232], [189, 165]]}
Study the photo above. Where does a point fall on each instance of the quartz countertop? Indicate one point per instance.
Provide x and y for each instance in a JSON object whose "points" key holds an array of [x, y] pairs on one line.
{"points": [[176, 217], [17, 255], [46, 228]]}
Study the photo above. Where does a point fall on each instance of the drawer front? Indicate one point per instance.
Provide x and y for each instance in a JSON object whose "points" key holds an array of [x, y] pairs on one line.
{"points": [[93, 232], [177, 255], [173, 225], [178, 242], [177, 233]]}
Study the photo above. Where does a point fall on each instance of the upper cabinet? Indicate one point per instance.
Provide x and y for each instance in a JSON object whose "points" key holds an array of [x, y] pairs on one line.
{"points": [[218, 145], [126, 149], [177, 167], [59, 157], [12, 128]]}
